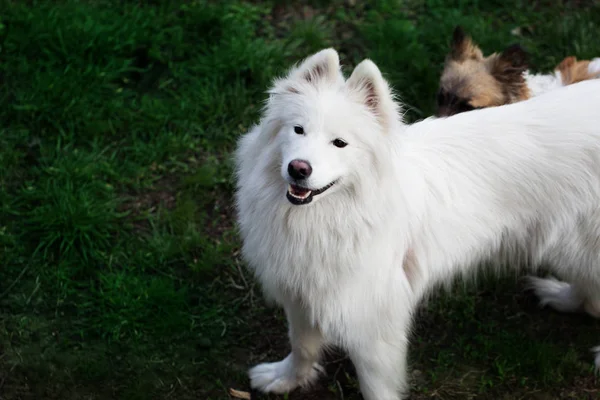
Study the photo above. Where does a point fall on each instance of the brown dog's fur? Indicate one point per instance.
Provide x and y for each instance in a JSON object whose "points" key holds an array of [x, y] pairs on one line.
{"points": [[573, 71], [471, 81]]}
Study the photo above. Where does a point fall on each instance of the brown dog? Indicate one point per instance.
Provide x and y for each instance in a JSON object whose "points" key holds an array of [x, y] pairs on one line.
{"points": [[471, 81]]}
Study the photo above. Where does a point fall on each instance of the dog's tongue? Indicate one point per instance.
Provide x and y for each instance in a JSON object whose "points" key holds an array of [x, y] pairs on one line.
{"points": [[299, 191]]}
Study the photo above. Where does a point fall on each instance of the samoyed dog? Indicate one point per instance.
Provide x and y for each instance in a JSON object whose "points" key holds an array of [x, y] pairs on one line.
{"points": [[349, 216]]}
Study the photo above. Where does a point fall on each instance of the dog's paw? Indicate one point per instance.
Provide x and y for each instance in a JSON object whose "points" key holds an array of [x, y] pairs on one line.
{"points": [[559, 295], [282, 377]]}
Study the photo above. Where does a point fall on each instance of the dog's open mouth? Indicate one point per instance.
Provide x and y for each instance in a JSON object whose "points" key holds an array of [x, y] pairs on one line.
{"points": [[299, 195]]}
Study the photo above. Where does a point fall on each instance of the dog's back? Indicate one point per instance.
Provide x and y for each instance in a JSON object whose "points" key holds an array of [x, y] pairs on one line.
{"points": [[512, 171]]}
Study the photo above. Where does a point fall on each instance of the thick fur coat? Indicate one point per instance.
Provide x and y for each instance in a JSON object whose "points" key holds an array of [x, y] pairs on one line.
{"points": [[349, 216]]}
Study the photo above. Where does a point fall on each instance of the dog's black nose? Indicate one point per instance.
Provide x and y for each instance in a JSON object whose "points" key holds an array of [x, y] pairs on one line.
{"points": [[299, 169]]}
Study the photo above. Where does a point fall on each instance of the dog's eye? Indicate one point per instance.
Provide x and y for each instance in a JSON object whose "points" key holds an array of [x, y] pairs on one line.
{"points": [[299, 130], [339, 143]]}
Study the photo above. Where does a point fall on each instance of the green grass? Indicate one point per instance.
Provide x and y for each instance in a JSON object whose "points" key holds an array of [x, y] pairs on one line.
{"points": [[120, 275]]}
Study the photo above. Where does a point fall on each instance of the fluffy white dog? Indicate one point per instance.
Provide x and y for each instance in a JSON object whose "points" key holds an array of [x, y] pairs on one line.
{"points": [[349, 216]]}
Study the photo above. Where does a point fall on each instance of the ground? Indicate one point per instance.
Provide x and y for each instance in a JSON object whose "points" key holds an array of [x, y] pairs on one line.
{"points": [[120, 275]]}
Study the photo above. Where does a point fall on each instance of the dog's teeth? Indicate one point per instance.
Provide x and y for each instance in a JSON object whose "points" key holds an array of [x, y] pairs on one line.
{"points": [[302, 196]]}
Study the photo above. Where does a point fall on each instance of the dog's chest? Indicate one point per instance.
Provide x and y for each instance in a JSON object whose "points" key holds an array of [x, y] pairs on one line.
{"points": [[302, 254]]}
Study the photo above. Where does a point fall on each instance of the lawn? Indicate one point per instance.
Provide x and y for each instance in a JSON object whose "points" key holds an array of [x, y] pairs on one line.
{"points": [[120, 274]]}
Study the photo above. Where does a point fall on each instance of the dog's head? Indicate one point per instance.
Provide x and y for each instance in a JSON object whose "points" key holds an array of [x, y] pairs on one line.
{"points": [[471, 81], [326, 127]]}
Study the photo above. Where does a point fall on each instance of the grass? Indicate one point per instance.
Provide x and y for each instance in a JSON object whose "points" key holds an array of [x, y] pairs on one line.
{"points": [[120, 275]]}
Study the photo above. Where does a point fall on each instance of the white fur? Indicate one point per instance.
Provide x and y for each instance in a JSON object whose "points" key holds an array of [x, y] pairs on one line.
{"points": [[541, 83], [559, 295], [594, 67], [283, 376], [413, 206], [596, 351]]}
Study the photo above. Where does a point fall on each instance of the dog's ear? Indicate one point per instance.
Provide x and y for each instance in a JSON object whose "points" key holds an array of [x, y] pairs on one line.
{"points": [[367, 85], [508, 68], [510, 65], [462, 46], [321, 67], [459, 38]]}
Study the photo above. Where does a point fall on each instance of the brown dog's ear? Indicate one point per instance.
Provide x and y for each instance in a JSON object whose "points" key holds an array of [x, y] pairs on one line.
{"points": [[509, 68], [462, 46], [457, 45], [510, 65]]}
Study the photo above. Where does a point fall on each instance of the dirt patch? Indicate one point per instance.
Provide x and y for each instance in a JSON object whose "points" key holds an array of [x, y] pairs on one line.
{"points": [[220, 215], [146, 202]]}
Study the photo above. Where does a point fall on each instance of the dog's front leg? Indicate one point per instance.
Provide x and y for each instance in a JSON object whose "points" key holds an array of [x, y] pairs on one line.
{"points": [[381, 368], [300, 367]]}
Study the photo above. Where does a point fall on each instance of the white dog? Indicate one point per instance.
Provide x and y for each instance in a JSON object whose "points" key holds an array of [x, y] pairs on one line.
{"points": [[349, 217]]}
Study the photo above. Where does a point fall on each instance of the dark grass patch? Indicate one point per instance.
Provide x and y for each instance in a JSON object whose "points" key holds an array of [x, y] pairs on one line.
{"points": [[120, 274]]}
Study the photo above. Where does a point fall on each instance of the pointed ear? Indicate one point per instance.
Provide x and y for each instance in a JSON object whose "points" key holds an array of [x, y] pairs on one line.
{"points": [[509, 66], [367, 85], [321, 67], [459, 38], [462, 46]]}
